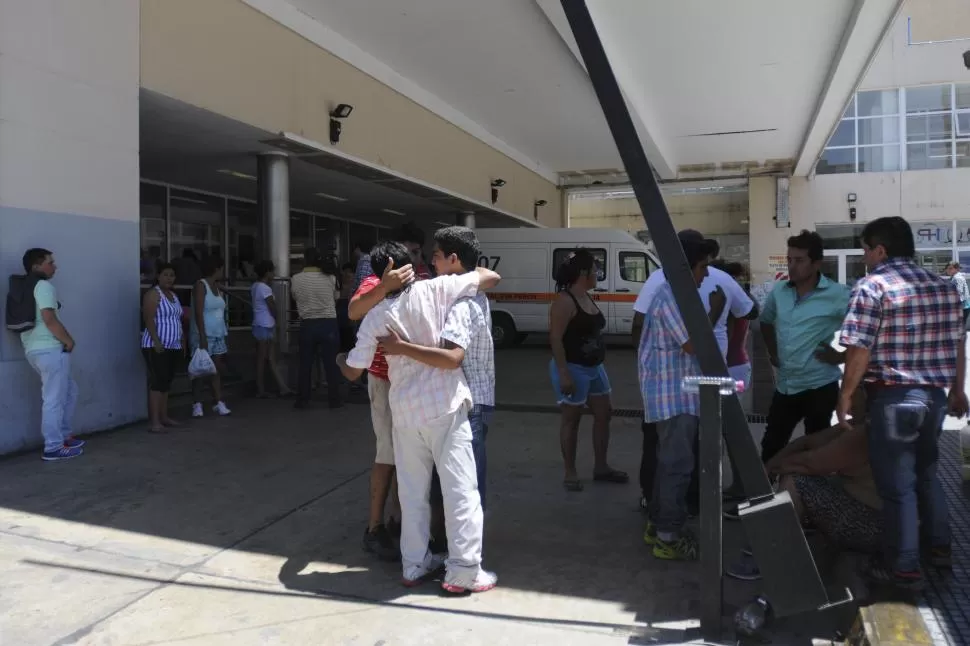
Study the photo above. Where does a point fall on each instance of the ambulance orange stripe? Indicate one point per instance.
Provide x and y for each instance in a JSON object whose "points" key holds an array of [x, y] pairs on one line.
{"points": [[548, 297]]}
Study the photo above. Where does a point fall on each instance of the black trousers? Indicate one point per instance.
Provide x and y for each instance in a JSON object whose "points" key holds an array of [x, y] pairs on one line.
{"points": [[815, 406], [648, 468], [319, 336]]}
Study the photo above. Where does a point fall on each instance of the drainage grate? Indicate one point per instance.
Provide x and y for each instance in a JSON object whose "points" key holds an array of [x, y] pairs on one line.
{"points": [[617, 412], [945, 605]]}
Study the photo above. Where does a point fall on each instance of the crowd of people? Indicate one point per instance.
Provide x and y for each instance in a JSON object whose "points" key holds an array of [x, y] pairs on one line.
{"points": [[422, 338]]}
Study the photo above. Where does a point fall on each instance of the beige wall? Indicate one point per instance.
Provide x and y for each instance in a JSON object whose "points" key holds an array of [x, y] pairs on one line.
{"points": [[898, 64], [722, 214], [226, 57]]}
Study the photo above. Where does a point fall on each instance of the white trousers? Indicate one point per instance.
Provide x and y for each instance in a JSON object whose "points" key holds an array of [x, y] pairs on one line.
{"points": [[445, 442]]}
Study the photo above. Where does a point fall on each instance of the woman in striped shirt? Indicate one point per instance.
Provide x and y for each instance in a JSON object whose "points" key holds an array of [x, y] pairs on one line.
{"points": [[161, 344]]}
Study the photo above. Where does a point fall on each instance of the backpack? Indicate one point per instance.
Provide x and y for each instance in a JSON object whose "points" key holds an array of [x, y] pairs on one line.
{"points": [[21, 313]]}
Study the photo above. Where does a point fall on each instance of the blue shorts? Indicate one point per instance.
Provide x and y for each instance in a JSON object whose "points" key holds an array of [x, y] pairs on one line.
{"points": [[261, 333], [217, 345], [588, 381]]}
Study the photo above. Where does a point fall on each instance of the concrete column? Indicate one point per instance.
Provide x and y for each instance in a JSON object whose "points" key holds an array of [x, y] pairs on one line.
{"points": [[468, 219], [274, 207]]}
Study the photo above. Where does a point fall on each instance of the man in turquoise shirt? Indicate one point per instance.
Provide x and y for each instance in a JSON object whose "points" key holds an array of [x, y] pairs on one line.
{"points": [[798, 323], [48, 349]]}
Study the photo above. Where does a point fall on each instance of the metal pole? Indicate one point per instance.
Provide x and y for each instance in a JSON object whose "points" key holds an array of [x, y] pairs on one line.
{"points": [[274, 207], [468, 219]]}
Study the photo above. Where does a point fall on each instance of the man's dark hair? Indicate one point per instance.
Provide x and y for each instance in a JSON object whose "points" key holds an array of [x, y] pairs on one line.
{"points": [[34, 257], [808, 241], [263, 267], [409, 232], [364, 245], [384, 252], [460, 241], [893, 233], [312, 257]]}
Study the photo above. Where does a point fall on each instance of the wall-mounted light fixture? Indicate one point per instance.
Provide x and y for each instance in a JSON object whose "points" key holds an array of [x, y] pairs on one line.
{"points": [[851, 199], [496, 185], [966, 59], [342, 111], [535, 208]]}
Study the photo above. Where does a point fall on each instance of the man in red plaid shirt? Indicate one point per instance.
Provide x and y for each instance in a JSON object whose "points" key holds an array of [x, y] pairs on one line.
{"points": [[904, 336]]}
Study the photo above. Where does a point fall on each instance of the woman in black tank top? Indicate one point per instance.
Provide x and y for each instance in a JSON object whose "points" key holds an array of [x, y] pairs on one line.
{"points": [[576, 327]]}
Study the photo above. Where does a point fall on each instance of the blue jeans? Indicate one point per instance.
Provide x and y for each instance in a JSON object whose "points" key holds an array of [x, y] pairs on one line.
{"points": [[319, 337], [904, 427], [478, 417], [675, 465], [59, 394]]}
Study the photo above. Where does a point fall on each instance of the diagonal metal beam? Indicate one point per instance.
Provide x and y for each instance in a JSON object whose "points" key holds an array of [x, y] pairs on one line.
{"points": [[790, 576]]}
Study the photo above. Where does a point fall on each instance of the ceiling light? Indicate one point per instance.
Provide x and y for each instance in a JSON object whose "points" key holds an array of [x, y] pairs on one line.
{"points": [[237, 174], [393, 212], [331, 197], [190, 200]]}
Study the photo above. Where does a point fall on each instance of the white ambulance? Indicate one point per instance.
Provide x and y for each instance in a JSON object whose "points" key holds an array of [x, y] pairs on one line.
{"points": [[527, 260]]}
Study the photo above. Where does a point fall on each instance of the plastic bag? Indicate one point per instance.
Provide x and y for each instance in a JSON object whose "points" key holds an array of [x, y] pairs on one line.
{"points": [[201, 365]]}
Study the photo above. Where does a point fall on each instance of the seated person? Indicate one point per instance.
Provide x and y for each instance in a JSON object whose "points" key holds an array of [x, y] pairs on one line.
{"points": [[828, 477]]}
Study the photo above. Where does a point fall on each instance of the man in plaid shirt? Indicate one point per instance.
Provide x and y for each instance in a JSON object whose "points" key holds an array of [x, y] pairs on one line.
{"points": [[904, 339], [666, 356], [466, 339]]}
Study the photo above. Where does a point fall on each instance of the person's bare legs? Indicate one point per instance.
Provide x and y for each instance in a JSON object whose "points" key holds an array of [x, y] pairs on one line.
{"points": [[394, 501], [602, 412], [216, 379], [261, 352], [275, 369], [155, 411], [568, 437], [381, 477], [163, 412]]}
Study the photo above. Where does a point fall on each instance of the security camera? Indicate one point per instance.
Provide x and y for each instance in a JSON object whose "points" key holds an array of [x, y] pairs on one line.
{"points": [[966, 59]]}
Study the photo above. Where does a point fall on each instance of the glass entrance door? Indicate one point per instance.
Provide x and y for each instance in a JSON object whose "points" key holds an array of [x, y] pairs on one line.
{"points": [[844, 265]]}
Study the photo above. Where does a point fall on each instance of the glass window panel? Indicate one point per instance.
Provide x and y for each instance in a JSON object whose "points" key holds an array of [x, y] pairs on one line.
{"points": [[327, 237], [963, 124], [301, 237], [928, 156], [878, 102], [633, 266], [197, 233], [830, 268], [153, 244], [855, 269], [849, 110], [884, 130], [878, 158], [245, 242], [844, 134], [962, 96], [836, 160], [963, 154], [934, 261], [840, 236], [929, 127], [963, 234], [933, 98]]}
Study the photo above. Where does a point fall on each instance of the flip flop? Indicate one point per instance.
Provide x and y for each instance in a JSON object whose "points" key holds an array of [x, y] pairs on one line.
{"points": [[160, 430], [614, 476], [573, 484]]}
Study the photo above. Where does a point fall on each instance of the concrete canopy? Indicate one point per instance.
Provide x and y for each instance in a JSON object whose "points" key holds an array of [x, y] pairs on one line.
{"points": [[716, 88]]}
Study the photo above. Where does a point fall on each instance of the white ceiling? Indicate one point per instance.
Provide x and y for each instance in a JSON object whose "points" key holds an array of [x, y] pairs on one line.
{"points": [[499, 62], [691, 71]]}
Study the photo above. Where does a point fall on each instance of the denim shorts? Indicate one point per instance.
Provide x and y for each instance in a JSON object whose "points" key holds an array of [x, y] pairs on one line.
{"points": [[588, 381], [217, 345], [261, 333]]}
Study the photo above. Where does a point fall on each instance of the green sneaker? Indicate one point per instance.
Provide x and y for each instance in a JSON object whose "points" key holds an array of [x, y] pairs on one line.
{"points": [[685, 548], [650, 534]]}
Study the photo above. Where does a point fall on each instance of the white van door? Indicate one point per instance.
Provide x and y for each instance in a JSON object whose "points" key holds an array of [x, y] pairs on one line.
{"points": [[630, 267]]}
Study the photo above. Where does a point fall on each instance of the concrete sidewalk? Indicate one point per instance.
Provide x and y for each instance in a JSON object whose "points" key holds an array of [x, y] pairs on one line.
{"points": [[246, 530]]}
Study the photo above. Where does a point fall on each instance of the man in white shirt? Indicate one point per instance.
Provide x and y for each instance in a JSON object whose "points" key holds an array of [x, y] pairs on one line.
{"points": [[430, 408], [737, 303]]}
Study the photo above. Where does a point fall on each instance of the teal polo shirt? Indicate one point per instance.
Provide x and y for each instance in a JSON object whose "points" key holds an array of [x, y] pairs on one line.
{"points": [[800, 325]]}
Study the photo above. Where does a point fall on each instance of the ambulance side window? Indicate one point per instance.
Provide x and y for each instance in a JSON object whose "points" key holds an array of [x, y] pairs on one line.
{"points": [[559, 257]]}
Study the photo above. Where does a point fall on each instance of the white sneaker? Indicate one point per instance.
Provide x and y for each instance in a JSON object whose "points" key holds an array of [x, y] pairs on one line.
{"points": [[197, 410], [416, 575], [221, 409], [461, 583]]}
